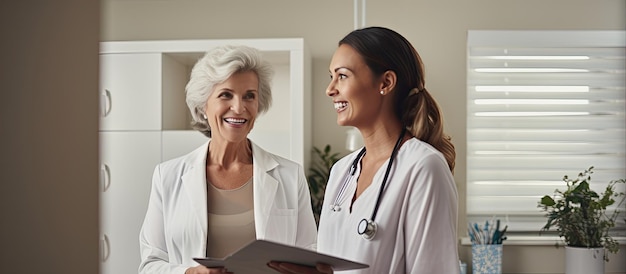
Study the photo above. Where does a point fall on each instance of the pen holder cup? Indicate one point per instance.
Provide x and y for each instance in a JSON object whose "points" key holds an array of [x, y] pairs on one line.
{"points": [[487, 259]]}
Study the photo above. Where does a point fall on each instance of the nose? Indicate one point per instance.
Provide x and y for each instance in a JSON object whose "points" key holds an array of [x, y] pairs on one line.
{"points": [[237, 106], [331, 90]]}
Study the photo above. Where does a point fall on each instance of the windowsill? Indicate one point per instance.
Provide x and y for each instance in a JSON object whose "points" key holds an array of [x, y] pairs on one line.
{"points": [[536, 240]]}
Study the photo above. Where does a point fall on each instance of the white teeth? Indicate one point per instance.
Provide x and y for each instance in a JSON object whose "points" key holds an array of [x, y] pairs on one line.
{"points": [[340, 105], [235, 120]]}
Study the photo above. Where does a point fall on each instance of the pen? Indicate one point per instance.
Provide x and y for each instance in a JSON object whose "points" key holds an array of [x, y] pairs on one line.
{"points": [[496, 234], [502, 237]]}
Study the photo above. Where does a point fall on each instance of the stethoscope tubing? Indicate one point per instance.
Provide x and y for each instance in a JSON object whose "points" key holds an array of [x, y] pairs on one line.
{"points": [[367, 228], [382, 186], [344, 186]]}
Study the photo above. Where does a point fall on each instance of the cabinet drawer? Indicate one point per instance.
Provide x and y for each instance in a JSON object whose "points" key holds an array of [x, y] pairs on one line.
{"points": [[127, 161], [130, 91]]}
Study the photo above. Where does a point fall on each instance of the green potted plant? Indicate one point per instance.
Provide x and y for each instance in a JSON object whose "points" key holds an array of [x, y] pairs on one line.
{"points": [[579, 215], [319, 171]]}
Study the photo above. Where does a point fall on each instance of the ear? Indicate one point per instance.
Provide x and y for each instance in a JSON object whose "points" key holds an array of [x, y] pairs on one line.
{"points": [[388, 81]]}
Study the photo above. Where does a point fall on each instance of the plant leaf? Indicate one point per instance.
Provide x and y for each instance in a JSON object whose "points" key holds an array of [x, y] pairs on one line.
{"points": [[547, 201]]}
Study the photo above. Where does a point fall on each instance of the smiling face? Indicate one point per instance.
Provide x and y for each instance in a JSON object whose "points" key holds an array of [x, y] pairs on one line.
{"points": [[353, 88], [232, 107]]}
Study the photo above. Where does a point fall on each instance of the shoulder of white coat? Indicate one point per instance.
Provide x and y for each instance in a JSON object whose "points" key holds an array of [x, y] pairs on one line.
{"points": [[268, 160], [172, 171], [197, 155], [419, 153]]}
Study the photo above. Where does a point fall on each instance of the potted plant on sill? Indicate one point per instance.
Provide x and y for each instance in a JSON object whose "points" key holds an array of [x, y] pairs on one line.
{"points": [[580, 217]]}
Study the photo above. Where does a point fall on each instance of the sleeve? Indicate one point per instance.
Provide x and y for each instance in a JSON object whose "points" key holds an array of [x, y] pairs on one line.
{"points": [[431, 219], [153, 247], [307, 229]]}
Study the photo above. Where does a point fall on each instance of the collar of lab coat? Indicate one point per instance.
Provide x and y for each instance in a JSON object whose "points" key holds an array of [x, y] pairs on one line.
{"points": [[264, 185]]}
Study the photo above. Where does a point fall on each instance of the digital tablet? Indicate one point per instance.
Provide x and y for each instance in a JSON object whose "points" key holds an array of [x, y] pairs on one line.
{"points": [[253, 258]]}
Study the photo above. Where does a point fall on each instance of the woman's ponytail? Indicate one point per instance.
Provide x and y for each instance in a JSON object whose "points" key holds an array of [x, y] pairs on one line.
{"points": [[424, 120]]}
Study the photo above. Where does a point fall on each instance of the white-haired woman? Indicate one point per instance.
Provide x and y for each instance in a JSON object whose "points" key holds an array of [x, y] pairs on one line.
{"points": [[229, 191]]}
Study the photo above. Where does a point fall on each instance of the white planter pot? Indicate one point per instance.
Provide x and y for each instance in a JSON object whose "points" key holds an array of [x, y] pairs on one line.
{"points": [[581, 260]]}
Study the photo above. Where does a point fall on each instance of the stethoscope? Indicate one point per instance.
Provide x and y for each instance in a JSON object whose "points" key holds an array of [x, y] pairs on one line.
{"points": [[367, 227]]}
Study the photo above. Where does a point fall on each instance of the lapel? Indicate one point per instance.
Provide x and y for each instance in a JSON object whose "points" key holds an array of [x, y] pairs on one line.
{"points": [[194, 183], [265, 188]]}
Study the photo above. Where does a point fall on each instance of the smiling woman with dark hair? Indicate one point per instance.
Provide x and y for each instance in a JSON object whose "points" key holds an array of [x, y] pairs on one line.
{"points": [[393, 203]]}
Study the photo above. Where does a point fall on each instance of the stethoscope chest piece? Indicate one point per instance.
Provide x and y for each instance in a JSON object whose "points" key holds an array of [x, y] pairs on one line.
{"points": [[367, 229]]}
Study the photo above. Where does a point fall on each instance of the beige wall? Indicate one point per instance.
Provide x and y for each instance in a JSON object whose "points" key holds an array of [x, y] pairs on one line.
{"points": [[49, 136], [437, 28]]}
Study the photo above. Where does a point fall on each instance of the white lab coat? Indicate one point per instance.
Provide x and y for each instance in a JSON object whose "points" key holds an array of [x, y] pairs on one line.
{"points": [[175, 227], [417, 218]]}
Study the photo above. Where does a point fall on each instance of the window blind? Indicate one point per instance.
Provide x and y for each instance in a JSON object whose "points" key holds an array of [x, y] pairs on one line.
{"points": [[541, 105]]}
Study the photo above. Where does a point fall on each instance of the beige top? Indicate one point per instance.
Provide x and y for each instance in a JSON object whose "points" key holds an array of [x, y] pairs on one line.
{"points": [[231, 219]]}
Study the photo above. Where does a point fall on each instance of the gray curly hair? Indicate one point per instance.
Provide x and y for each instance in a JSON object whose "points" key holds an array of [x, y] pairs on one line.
{"points": [[217, 65]]}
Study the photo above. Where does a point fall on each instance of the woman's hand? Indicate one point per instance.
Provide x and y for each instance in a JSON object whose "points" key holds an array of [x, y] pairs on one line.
{"points": [[288, 268], [204, 270]]}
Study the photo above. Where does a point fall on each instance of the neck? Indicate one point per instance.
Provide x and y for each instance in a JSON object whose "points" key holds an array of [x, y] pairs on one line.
{"points": [[379, 142], [225, 154]]}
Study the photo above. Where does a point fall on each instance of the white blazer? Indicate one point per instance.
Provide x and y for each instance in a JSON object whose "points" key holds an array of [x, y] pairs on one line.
{"points": [[175, 227]]}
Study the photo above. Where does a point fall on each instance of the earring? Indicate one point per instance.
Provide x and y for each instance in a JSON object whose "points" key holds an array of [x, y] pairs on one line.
{"points": [[382, 92], [204, 116]]}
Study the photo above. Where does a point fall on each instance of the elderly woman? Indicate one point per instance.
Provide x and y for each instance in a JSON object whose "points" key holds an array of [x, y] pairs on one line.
{"points": [[229, 191]]}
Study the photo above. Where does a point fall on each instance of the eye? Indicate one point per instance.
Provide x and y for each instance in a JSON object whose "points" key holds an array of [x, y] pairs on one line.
{"points": [[249, 96], [225, 95], [340, 76]]}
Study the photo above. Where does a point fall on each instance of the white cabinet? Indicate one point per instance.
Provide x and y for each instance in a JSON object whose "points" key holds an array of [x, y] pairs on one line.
{"points": [[144, 120], [127, 160], [130, 91]]}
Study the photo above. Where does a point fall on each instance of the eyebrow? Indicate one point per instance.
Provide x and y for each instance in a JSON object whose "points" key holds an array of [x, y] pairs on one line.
{"points": [[335, 70], [232, 90]]}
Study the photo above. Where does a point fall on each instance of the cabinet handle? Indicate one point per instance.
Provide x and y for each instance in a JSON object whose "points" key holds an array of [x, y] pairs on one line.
{"points": [[106, 103], [105, 177], [106, 248]]}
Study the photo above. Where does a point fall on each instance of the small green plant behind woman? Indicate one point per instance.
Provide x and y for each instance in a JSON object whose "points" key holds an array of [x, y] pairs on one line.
{"points": [[579, 213], [318, 177]]}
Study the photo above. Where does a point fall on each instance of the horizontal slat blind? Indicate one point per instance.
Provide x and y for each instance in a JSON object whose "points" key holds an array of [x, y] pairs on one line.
{"points": [[541, 104]]}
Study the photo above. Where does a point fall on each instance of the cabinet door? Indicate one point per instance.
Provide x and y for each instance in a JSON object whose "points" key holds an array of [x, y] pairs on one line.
{"points": [[130, 91], [127, 162]]}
